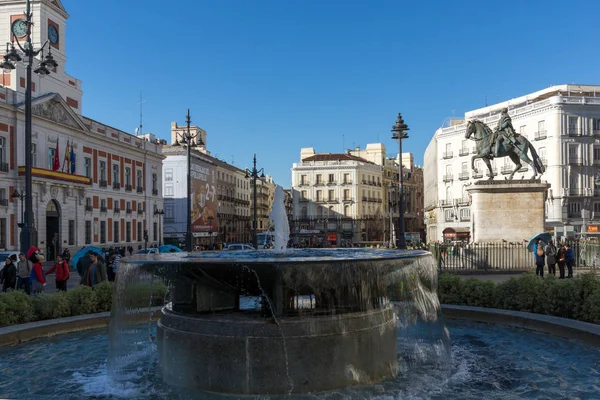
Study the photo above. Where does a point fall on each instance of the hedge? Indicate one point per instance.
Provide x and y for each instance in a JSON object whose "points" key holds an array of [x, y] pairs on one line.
{"points": [[16, 307], [577, 298]]}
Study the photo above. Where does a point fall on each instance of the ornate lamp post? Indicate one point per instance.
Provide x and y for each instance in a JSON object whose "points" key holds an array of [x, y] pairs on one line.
{"points": [[399, 133], [12, 56], [187, 139], [159, 214], [254, 174], [20, 195]]}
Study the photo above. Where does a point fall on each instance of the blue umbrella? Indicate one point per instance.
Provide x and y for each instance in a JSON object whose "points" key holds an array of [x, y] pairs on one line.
{"points": [[83, 252], [168, 248], [545, 237]]}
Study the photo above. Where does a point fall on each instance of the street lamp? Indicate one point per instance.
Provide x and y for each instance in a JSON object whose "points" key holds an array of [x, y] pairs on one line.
{"points": [[159, 213], [48, 63], [254, 174], [188, 140], [20, 195], [399, 133]]}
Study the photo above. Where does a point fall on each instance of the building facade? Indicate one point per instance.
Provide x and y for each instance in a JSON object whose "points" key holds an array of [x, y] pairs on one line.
{"points": [[562, 123], [92, 184]]}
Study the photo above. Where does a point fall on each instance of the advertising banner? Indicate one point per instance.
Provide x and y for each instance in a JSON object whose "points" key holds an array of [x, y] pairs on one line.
{"points": [[203, 197]]}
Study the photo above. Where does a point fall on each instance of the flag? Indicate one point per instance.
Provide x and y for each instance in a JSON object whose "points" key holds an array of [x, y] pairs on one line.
{"points": [[66, 158], [72, 160], [56, 165]]}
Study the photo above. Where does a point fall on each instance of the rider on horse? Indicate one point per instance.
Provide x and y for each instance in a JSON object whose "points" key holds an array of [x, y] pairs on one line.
{"points": [[503, 131]]}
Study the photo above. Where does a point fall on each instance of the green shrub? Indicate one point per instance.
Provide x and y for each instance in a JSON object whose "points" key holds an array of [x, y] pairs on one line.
{"points": [[591, 307], [16, 307], [82, 300], [479, 293], [103, 294], [49, 306], [561, 298], [450, 289]]}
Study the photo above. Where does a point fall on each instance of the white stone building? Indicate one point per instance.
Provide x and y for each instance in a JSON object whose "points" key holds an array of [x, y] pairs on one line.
{"points": [[563, 124], [108, 198]]}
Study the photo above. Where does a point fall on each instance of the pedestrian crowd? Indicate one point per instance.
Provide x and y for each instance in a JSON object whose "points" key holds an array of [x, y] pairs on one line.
{"points": [[25, 272], [551, 256]]}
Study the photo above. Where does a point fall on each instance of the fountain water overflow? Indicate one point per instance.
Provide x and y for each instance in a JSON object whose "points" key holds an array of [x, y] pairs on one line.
{"points": [[282, 322]]}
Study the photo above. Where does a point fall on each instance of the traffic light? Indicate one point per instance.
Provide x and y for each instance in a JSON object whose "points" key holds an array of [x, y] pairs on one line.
{"points": [[145, 235]]}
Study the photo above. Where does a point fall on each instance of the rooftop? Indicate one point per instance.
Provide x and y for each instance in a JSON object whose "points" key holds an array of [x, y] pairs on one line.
{"points": [[335, 157]]}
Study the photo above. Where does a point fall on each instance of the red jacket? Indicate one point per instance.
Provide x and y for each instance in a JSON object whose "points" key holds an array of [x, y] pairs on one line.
{"points": [[37, 269], [62, 271]]}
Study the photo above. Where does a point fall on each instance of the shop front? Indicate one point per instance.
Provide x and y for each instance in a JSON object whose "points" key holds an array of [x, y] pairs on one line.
{"points": [[456, 234]]}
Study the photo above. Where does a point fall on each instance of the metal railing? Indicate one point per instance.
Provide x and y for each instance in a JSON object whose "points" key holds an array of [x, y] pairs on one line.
{"points": [[128, 188], [541, 135], [154, 192], [463, 151], [89, 208], [447, 154], [573, 132], [3, 167], [448, 178], [102, 183], [4, 202], [116, 186], [575, 161], [463, 176], [140, 189]]}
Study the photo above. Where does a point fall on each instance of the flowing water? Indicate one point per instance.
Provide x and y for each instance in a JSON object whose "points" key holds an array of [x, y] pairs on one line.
{"points": [[280, 221]]}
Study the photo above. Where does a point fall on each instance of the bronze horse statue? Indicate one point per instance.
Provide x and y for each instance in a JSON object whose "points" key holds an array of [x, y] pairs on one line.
{"points": [[484, 136]]}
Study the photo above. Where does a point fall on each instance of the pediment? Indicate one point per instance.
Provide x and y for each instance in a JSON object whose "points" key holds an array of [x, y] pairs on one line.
{"points": [[58, 4], [55, 109]]}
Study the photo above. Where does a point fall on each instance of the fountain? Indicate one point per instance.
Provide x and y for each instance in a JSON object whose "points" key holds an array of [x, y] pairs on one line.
{"points": [[280, 321]]}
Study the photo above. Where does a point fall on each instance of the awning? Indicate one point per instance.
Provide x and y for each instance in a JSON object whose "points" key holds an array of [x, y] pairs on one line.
{"points": [[456, 232]]}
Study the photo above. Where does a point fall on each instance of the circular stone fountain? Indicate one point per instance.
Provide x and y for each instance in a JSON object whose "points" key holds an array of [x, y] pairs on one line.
{"points": [[318, 319]]}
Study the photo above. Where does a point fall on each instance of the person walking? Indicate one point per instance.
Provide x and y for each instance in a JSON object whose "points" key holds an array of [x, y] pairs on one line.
{"points": [[551, 253], [38, 277], [569, 260], [96, 273], [540, 259], [24, 267], [9, 273], [561, 258], [62, 273]]}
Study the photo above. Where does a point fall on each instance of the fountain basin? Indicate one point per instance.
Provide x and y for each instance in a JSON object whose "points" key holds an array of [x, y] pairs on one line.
{"points": [[324, 319]]}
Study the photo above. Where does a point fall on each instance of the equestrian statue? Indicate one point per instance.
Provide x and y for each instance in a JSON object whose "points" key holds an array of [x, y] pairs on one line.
{"points": [[503, 142]]}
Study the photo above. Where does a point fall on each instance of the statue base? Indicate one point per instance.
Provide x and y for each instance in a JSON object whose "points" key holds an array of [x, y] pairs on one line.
{"points": [[507, 210]]}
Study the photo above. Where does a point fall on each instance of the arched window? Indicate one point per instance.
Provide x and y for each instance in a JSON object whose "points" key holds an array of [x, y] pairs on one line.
{"points": [[449, 193]]}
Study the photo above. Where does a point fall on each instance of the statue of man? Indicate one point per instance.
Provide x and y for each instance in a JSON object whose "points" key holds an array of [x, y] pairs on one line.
{"points": [[504, 130]]}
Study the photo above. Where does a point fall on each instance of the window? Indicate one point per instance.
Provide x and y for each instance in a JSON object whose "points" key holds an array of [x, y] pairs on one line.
{"points": [[319, 195], [168, 174], [102, 231], [139, 232], [346, 194], [449, 215], [115, 178], [87, 167], [522, 129], [168, 190], [71, 232], [331, 195], [464, 167], [541, 126], [128, 231], [596, 125], [154, 182], [303, 180], [596, 154], [449, 194], [331, 178], [573, 152], [51, 153], [102, 204], [3, 158], [596, 207], [346, 178], [346, 211], [102, 170], [127, 176], [303, 195], [33, 155], [319, 179], [3, 233], [573, 122], [88, 232], [304, 213], [116, 231], [574, 208], [139, 179], [155, 231], [465, 214], [128, 206]]}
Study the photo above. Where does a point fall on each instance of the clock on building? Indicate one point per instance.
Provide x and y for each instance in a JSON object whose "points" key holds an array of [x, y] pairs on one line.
{"points": [[52, 34], [19, 28]]}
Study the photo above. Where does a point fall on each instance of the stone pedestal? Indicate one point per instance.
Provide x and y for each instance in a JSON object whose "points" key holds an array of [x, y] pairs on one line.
{"points": [[507, 210]]}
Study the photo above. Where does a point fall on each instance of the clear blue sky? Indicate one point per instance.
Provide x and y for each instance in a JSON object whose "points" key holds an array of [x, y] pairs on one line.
{"points": [[273, 76]]}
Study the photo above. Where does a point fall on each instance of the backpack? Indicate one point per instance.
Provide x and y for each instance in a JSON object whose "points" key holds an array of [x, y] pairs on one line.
{"points": [[540, 251]]}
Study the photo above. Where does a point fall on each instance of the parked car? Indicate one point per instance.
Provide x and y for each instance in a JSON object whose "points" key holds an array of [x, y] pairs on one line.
{"points": [[241, 246], [147, 251], [4, 255]]}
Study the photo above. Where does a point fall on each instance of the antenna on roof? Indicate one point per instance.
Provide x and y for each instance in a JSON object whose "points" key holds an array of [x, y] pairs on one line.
{"points": [[344, 142], [140, 130]]}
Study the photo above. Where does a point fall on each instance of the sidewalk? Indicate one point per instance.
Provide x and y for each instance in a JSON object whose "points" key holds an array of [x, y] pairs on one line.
{"points": [[499, 278]]}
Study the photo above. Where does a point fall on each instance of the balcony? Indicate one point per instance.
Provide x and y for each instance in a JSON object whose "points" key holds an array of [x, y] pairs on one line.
{"points": [[446, 203], [103, 209], [331, 183], [348, 200], [332, 201], [102, 183], [573, 132], [3, 167], [116, 186], [320, 201], [303, 200], [576, 192], [506, 169], [478, 174], [154, 192], [364, 198], [117, 210], [596, 132], [346, 182], [463, 152], [465, 201], [89, 208], [465, 218], [544, 162], [128, 188], [140, 210], [596, 192], [447, 155], [463, 176], [140, 189], [448, 178], [128, 211], [524, 168], [541, 135], [304, 183], [4, 202], [575, 161], [319, 183]]}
